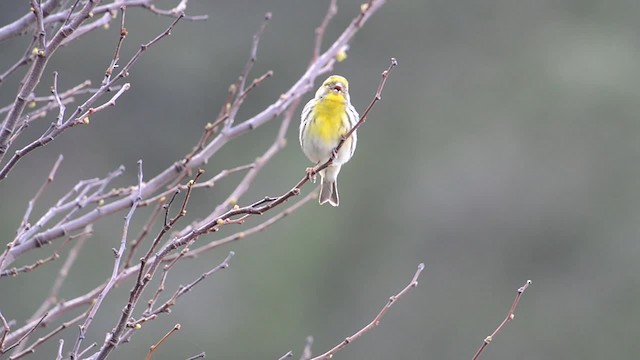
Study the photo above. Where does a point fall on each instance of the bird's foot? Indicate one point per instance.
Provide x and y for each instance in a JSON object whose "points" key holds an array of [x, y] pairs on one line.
{"points": [[311, 174]]}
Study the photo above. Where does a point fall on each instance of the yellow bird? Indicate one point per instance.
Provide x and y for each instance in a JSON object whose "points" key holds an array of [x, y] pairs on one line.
{"points": [[325, 120]]}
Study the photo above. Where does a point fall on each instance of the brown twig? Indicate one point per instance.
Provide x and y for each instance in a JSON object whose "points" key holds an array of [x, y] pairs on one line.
{"points": [[251, 231], [166, 306], [43, 339], [35, 73], [320, 30], [376, 321], [28, 268], [64, 272], [25, 219], [323, 64], [116, 268], [509, 317], [31, 329], [155, 346], [144, 276], [181, 291], [144, 232], [204, 184], [252, 60], [26, 58], [81, 115]]}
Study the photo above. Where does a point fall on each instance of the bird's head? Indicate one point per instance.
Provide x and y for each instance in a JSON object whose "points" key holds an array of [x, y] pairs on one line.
{"points": [[335, 87]]}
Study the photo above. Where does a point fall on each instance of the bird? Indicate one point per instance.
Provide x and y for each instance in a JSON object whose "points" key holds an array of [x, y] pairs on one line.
{"points": [[325, 120]]}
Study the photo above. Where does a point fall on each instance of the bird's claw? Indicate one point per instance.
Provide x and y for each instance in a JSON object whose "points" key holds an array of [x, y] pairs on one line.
{"points": [[311, 174]]}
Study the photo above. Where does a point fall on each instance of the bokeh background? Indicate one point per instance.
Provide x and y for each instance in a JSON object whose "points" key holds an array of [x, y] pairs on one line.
{"points": [[506, 148]]}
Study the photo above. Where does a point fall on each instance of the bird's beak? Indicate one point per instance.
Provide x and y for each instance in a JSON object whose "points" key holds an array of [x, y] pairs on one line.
{"points": [[338, 88]]}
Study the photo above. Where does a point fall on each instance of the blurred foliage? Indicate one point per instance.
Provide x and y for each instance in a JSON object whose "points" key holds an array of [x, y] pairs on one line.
{"points": [[505, 148]]}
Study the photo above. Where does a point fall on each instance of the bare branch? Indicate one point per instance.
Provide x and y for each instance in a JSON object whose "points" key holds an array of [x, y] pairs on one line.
{"points": [[5, 330], [61, 342], [509, 317], [155, 346], [116, 267], [306, 352], [324, 63], [26, 58], [28, 268], [289, 354], [31, 329], [80, 116], [43, 339], [19, 26], [35, 73], [320, 30], [141, 282], [64, 272], [376, 321], [251, 231], [202, 355]]}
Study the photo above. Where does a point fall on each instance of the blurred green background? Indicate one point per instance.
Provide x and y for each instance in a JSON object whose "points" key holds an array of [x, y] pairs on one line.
{"points": [[505, 148]]}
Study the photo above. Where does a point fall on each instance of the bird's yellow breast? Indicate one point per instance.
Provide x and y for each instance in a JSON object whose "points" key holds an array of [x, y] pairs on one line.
{"points": [[329, 117]]}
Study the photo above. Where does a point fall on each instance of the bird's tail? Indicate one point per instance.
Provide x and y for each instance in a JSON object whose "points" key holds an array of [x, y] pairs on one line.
{"points": [[329, 192]]}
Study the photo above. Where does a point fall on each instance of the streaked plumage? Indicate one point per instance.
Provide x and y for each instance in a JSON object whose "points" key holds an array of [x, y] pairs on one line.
{"points": [[325, 119]]}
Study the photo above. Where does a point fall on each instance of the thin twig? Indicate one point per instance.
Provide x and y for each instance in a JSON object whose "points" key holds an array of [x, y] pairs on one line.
{"points": [[26, 58], [320, 30], [509, 317], [251, 231], [28, 268], [289, 354], [181, 291], [202, 355], [116, 268], [376, 321], [142, 281], [35, 73], [5, 330], [81, 354], [61, 345], [323, 64], [32, 329], [25, 219], [64, 272], [45, 338], [155, 346], [50, 178], [80, 116], [143, 233], [306, 352]]}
